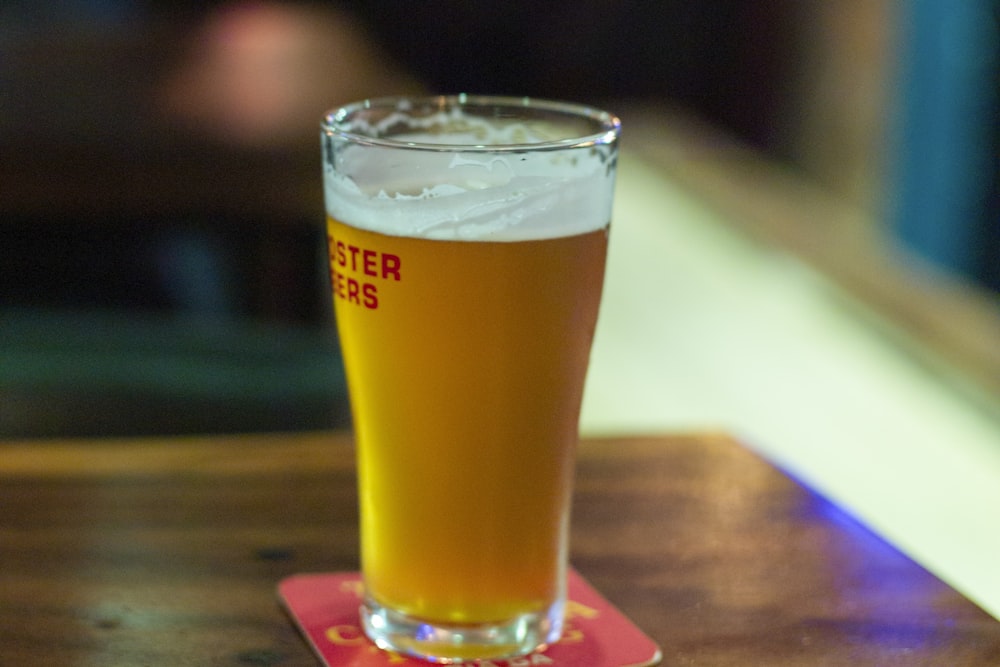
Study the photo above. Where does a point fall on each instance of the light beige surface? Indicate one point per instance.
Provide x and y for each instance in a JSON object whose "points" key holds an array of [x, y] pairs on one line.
{"points": [[702, 327]]}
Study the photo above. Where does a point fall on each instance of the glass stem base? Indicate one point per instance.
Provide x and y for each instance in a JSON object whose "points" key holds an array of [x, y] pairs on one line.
{"points": [[449, 644]]}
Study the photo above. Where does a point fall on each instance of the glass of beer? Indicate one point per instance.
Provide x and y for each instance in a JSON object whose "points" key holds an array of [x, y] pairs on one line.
{"points": [[467, 241]]}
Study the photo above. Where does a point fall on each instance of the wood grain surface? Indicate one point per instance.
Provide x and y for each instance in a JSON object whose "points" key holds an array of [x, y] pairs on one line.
{"points": [[168, 551]]}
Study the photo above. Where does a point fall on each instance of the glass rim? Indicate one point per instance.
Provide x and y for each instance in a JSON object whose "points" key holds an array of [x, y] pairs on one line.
{"points": [[334, 122]]}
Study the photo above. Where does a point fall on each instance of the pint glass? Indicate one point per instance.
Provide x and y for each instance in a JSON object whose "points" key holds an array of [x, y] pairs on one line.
{"points": [[467, 241]]}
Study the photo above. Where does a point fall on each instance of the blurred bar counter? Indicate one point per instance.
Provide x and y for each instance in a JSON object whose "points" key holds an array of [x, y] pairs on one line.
{"points": [[741, 296]]}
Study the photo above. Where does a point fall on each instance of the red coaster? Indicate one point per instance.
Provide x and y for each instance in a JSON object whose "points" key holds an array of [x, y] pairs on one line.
{"points": [[325, 608]]}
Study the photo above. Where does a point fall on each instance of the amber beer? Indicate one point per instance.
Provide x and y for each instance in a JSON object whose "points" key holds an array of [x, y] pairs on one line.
{"points": [[466, 354], [466, 364]]}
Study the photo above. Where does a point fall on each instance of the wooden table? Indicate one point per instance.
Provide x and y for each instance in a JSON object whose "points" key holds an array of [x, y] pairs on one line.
{"points": [[167, 552]]}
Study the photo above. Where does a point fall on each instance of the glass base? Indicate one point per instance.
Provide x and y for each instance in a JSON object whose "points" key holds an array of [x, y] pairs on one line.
{"points": [[395, 631]]}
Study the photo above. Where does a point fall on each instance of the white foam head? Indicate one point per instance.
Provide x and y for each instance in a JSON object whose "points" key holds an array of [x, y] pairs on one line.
{"points": [[489, 182]]}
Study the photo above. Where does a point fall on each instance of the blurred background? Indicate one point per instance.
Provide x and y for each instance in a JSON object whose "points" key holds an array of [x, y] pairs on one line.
{"points": [[805, 250], [161, 219]]}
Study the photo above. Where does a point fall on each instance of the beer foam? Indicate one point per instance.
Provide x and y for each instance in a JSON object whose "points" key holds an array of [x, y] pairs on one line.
{"points": [[507, 195]]}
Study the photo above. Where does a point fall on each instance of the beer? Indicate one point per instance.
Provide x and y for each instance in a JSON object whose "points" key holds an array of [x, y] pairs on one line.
{"points": [[466, 363], [467, 240]]}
